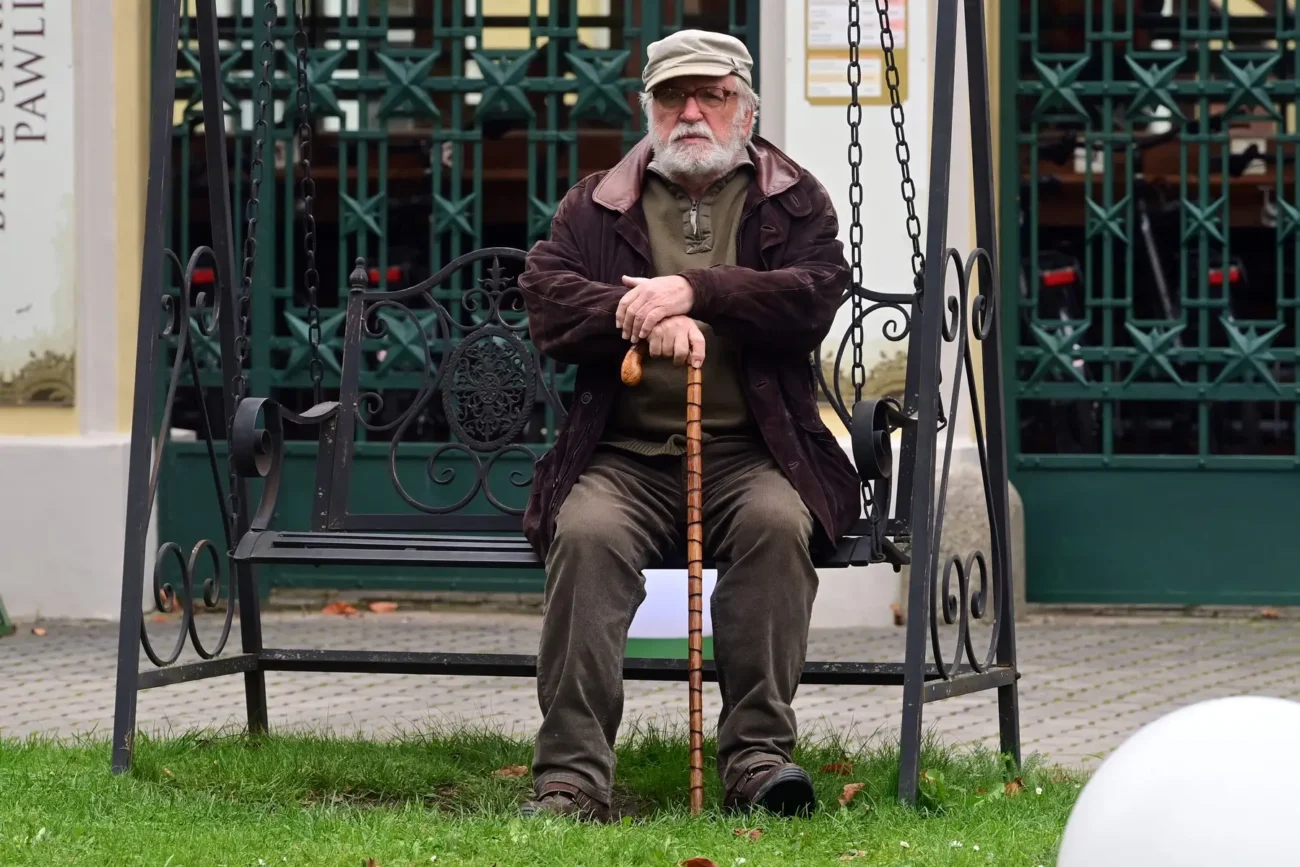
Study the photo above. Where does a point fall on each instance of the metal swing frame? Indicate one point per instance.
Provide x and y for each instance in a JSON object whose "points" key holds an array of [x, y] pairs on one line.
{"points": [[939, 310]]}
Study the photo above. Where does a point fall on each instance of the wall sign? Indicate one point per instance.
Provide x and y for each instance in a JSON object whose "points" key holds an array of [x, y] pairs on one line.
{"points": [[826, 52], [38, 333]]}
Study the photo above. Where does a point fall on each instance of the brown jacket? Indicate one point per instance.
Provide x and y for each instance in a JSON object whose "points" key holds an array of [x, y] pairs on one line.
{"points": [[776, 305]]}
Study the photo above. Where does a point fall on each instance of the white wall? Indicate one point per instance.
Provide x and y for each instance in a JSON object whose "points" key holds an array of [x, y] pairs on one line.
{"points": [[61, 526], [63, 512], [817, 136]]}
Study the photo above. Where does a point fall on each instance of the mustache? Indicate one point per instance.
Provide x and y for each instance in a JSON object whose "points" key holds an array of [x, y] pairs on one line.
{"points": [[692, 129]]}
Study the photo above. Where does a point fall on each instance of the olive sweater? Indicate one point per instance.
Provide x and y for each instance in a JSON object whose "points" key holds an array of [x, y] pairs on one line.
{"points": [[650, 419]]}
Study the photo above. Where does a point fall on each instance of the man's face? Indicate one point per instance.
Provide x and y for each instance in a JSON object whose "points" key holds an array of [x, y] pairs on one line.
{"points": [[700, 130]]}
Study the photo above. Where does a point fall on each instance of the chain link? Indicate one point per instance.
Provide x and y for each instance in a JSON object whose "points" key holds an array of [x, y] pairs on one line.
{"points": [[901, 151], [243, 306], [859, 370], [308, 190]]}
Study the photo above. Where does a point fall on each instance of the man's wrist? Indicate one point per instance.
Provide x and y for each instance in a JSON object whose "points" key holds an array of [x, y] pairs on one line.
{"points": [[698, 291]]}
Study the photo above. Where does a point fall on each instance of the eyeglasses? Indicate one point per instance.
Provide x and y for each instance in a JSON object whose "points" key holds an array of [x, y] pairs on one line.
{"points": [[709, 98]]}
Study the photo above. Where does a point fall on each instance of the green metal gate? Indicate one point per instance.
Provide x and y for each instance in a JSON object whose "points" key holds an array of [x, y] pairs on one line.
{"points": [[1155, 252], [443, 126]]}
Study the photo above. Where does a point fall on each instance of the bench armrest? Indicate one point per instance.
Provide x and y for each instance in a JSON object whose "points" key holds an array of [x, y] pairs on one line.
{"points": [[258, 452], [872, 425], [874, 421]]}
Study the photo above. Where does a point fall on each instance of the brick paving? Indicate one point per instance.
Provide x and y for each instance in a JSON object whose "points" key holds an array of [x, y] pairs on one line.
{"points": [[1087, 682]]}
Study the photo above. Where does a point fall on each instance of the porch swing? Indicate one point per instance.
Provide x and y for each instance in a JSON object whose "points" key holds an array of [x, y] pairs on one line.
{"points": [[484, 328]]}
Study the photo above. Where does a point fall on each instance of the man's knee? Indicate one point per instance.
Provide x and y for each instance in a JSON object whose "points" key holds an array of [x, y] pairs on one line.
{"points": [[592, 531], [774, 515]]}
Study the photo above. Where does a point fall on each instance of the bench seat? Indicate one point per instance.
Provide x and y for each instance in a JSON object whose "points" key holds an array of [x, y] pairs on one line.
{"points": [[459, 549]]}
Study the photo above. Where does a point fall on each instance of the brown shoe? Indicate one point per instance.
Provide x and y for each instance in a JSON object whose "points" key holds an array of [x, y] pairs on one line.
{"points": [[781, 788], [562, 799]]}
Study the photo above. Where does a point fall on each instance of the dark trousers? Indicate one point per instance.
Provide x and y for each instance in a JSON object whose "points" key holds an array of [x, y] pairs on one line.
{"points": [[626, 509]]}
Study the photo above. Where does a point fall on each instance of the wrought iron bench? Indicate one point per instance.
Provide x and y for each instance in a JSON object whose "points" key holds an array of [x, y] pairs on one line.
{"points": [[487, 381], [495, 393]]}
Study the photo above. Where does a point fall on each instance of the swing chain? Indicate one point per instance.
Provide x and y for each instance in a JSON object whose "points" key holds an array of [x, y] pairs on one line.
{"points": [[901, 151], [859, 370], [308, 191], [243, 309]]}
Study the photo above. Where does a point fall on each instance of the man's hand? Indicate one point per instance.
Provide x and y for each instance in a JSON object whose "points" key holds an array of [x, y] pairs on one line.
{"points": [[679, 338], [649, 302]]}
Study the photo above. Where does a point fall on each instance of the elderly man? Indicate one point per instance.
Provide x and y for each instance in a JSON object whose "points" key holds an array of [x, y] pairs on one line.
{"points": [[717, 250]]}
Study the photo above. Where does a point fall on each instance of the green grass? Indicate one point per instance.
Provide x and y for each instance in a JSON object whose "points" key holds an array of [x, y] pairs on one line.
{"points": [[228, 799]]}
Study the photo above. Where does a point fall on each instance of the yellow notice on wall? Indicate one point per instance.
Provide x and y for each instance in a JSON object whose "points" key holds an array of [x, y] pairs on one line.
{"points": [[826, 53]]}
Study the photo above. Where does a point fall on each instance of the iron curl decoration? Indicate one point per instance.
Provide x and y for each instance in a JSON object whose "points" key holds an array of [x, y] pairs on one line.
{"points": [[376, 326], [969, 604], [258, 452], [488, 387], [517, 478], [876, 498], [477, 365], [163, 592], [895, 329], [181, 317], [496, 295], [369, 405], [166, 598]]}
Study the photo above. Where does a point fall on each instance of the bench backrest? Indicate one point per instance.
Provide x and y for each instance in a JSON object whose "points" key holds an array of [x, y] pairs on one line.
{"points": [[461, 449], [461, 454]]}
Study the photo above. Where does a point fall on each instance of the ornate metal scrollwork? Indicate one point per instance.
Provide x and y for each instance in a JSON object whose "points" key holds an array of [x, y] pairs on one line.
{"points": [[969, 603], [490, 388], [895, 328], [478, 370], [871, 420], [185, 314]]}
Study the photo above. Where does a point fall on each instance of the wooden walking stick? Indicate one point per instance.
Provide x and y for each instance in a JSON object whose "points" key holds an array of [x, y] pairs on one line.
{"points": [[694, 562]]}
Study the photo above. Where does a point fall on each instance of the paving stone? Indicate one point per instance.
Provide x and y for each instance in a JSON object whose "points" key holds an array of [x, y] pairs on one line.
{"points": [[1087, 683]]}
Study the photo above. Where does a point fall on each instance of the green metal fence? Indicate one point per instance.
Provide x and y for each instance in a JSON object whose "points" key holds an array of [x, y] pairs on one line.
{"points": [[1154, 253], [442, 126]]}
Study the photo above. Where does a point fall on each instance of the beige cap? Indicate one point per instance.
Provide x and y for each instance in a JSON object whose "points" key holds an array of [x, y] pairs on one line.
{"points": [[696, 52]]}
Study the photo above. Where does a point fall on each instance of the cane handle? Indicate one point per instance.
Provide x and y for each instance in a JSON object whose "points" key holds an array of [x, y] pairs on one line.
{"points": [[633, 364]]}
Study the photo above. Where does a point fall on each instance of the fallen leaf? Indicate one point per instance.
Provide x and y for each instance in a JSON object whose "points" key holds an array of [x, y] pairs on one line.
{"points": [[697, 862], [980, 790], [169, 773], [344, 608], [382, 607], [900, 619], [853, 854], [372, 863], [753, 833], [1270, 613], [510, 772], [850, 790], [1014, 787], [38, 630], [159, 618], [841, 769]]}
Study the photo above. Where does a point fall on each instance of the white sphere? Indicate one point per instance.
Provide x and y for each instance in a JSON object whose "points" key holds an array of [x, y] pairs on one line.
{"points": [[1209, 785]]}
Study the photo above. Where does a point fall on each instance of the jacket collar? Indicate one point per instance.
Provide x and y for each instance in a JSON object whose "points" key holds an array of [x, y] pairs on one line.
{"points": [[620, 189]]}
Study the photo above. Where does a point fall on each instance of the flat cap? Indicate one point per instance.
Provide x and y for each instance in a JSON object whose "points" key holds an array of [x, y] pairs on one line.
{"points": [[696, 52]]}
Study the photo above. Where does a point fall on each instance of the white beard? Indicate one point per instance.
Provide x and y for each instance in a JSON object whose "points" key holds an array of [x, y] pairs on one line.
{"points": [[686, 165]]}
